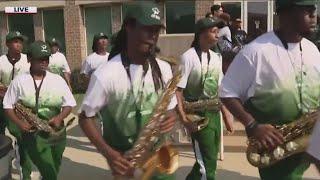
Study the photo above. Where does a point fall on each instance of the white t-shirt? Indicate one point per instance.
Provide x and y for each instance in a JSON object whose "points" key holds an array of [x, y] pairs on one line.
{"points": [[314, 147], [110, 84], [58, 64], [225, 31], [54, 94], [6, 68], [266, 76], [92, 62], [193, 71]]}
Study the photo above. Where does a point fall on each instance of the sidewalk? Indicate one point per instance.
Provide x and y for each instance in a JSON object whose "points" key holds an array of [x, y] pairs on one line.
{"points": [[82, 162]]}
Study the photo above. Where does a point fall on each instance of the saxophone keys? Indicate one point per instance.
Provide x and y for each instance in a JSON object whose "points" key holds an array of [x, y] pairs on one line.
{"points": [[265, 159], [137, 156], [291, 146], [278, 153], [154, 139], [255, 157]]}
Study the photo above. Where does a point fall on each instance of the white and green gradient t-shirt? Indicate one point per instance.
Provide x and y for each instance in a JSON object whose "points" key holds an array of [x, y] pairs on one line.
{"points": [[54, 94], [110, 93], [92, 62], [58, 64], [263, 75], [199, 80], [6, 68]]}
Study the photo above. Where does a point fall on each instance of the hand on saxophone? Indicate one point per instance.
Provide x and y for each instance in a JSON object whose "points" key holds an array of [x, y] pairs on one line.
{"points": [[168, 123], [55, 122], [267, 136], [25, 127], [118, 164]]}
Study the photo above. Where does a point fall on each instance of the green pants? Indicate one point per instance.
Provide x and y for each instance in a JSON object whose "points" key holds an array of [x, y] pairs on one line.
{"points": [[34, 149], [206, 147], [291, 168]]}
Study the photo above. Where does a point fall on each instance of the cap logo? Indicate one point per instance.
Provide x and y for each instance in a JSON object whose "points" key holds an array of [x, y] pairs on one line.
{"points": [[53, 39], [18, 33], [156, 13], [101, 34], [44, 48]]}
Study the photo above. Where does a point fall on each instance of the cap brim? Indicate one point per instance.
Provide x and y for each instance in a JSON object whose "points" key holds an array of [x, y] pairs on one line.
{"points": [[22, 38], [40, 57], [100, 37], [152, 23]]}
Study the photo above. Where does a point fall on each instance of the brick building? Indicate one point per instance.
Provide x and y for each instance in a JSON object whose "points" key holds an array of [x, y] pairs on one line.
{"points": [[74, 22]]}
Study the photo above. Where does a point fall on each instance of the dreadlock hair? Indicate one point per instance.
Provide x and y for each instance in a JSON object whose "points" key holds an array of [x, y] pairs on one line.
{"points": [[119, 46], [196, 41]]}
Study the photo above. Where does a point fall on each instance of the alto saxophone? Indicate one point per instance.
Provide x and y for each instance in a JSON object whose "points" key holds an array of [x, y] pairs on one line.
{"points": [[25, 114], [296, 136], [191, 108], [150, 153]]}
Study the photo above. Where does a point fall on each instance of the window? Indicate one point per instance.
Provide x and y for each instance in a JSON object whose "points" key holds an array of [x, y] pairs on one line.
{"points": [[233, 9], [257, 19], [97, 19], [180, 16], [54, 26], [22, 23], [124, 9]]}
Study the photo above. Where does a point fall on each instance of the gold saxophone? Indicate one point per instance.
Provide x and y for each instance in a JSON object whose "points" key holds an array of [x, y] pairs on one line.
{"points": [[296, 137], [25, 114], [191, 108], [150, 153]]}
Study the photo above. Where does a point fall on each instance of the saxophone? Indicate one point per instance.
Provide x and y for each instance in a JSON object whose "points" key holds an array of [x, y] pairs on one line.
{"points": [[150, 153], [191, 108], [296, 136], [25, 114]]}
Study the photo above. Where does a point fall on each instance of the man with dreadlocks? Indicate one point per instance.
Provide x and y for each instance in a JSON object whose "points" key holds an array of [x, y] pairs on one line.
{"points": [[202, 72], [126, 88]]}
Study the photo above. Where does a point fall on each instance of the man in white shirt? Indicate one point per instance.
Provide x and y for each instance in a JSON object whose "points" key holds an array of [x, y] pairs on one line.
{"points": [[201, 76], [99, 55], [126, 88], [50, 99], [274, 81], [58, 63], [11, 64]]}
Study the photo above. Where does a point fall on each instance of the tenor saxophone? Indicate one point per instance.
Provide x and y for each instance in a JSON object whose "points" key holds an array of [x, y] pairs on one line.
{"points": [[296, 137], [191, 108], [150, 153], [25, 114]]}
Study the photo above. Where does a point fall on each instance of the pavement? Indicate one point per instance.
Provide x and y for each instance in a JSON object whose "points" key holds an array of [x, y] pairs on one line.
{"points": [[81, 160]]}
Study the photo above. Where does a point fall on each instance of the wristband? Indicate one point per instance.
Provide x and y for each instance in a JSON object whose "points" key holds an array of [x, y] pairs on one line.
{"points": [[251, 127]]}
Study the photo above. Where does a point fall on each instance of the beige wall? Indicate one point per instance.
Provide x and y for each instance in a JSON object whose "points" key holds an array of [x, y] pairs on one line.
{"points": [[174, 45]]}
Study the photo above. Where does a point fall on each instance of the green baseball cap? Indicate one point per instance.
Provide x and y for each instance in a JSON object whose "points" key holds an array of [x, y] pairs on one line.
{"points": [[146, 13], [205, 23], [15, 35], [282, 4], [98, 36], [54, 41], [38, 50]]}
